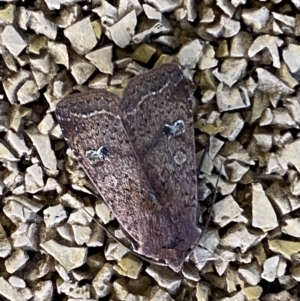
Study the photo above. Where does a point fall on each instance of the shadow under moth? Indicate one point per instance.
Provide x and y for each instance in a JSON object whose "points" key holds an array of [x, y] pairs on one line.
{"points": [[139, 152]]}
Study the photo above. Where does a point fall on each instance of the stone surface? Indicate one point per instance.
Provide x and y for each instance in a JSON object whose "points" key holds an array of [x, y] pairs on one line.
{"points": [[225, 211], [263, 214], [102, 59], [69, 257], [9, 292], [12, 40], [81, 36]]}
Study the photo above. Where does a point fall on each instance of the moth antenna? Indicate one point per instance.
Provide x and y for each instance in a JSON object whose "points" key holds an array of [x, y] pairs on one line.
{"points": [[111, 235], [201, 162], [213, 202]]}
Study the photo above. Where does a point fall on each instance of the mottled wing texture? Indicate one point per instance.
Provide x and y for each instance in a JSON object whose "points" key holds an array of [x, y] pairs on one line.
{"points": [[141, 159], [157, 116]]}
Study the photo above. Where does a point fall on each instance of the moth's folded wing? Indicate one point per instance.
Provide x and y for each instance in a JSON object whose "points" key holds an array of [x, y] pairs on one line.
{"points": [[157, 116]]}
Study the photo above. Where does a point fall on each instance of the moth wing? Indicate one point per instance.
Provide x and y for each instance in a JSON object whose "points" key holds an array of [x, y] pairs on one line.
{"points": [[94, 131], [157, 116]]}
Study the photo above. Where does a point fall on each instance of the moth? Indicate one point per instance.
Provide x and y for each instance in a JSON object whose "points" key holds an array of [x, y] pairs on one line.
{"points": [[139, 152]]}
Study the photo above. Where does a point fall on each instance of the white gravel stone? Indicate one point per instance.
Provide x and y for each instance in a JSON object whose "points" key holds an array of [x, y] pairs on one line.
{"points": [[165, 277], [34, 179], [12, 40], [102, 59], [292, 227], [202, 291], [43, 290], [231, 98], [190, 53], [123, 30], [28, 92], [69, 257], [81, 36], [43, 147], [5, 246], [270, 268], [53, 4], [53, 215], [41, 25], [115, 251], [9, 292], [263, 214], [82, 216], [101, 282], [82, 70], [104, 212], [250, 274], [271, 43], [41, 62], [82, 234], [270, 84], [46, 125], [17, 282], [17, 143], [16, 261], [59, 53], [164, 6], [290, 55], [11, 84], [151, 12], [238, 236], [66, 232], [233, 124], [107, 13], [159, 294], [231, 71], [256, 18], [240, 44], [129, 266], [225, 28], [207, 59], [225, 211], [25, 236], [6, 155], [97, 237]]}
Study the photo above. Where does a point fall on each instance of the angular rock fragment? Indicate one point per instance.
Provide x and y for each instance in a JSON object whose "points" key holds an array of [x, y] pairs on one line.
{"points": [[231, 98], [54, 215], [225, 211], [122, 31], [12, 40], [41, 25], [43, 147], [269, 42], [102, 59], [16, 261], [69, 257], [231, 71], [9, 292], [81, 36], [189, 55], [290, 55], [165, 277], [263, 214], [12, 84]]}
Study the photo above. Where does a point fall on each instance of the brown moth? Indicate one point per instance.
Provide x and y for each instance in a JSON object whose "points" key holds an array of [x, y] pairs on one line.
{"points": [[139, 152]]}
